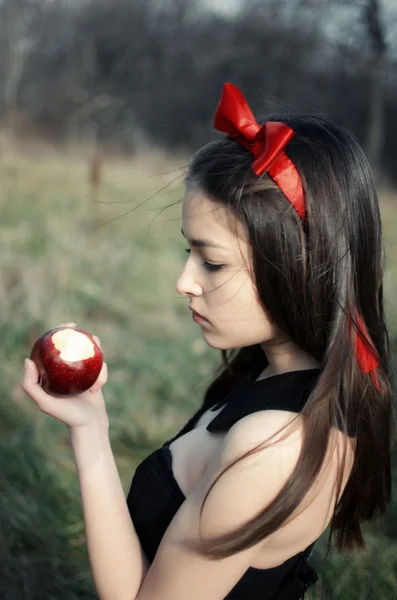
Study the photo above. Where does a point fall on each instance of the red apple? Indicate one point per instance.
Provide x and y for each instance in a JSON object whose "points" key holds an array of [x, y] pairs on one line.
{"points": [[68, 360]]}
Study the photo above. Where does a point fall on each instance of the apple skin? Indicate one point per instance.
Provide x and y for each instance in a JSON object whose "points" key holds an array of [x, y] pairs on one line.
{"points": [[60, 377]]}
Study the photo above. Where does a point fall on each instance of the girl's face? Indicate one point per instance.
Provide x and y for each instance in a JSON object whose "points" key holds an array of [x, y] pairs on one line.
{"points": [[216, 277]]}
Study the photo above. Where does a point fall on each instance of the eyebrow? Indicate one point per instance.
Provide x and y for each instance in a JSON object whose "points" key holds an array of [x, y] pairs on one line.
{"points": [[203, 243]]}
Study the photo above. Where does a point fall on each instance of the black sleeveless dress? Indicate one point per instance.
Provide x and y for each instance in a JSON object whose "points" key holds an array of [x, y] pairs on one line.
{"points": [[155, 497]]}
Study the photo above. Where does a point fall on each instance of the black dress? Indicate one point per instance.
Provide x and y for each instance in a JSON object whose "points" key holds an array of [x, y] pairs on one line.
{"points": [[154, 496]]}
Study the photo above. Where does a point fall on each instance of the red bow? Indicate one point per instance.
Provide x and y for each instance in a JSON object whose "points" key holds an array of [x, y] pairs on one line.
{"points": [[234, 117], [267, 142]]}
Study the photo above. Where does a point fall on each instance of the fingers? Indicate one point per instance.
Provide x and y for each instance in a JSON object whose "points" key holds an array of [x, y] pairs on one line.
{"points": [[102, 379], [71, 412], [30, 385]]}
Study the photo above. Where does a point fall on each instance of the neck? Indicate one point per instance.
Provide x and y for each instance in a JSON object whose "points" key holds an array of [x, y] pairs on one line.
{"points": [[285, 356]]}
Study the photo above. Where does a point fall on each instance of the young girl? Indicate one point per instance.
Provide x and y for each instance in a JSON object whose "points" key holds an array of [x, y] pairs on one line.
{"points": [[284, 276]]}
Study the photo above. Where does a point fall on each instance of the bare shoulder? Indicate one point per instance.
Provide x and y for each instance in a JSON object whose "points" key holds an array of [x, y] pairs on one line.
{"points": [[281, 428], [273, 440], [273, 429]]}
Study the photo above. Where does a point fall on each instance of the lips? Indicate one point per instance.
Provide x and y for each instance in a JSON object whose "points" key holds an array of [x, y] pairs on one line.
{"points": [[197, 313]]}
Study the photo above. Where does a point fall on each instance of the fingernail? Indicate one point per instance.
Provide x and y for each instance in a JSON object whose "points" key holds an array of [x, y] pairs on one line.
{"points": [[26, 364]]}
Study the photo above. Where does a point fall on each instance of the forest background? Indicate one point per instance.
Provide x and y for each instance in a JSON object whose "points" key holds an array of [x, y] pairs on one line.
{"points": [[101, 105]]}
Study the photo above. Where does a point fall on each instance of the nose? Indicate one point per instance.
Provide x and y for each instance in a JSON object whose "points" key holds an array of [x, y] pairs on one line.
{"points": [[187, 285]]}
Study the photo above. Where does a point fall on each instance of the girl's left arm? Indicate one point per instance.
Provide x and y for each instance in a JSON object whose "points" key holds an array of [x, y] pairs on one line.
{"points": [[118, 562], [178, 572]]}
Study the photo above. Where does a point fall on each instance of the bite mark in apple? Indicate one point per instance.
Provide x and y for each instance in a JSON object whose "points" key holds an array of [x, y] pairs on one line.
{"points": [[73, 345]]}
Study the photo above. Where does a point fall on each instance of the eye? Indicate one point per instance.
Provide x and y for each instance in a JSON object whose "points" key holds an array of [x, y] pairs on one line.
{"points": [[208, 266]]}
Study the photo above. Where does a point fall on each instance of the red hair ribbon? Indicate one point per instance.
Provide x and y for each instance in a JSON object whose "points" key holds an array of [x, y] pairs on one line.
{"points": [[234, 117], [267, 142], [365, 352]]}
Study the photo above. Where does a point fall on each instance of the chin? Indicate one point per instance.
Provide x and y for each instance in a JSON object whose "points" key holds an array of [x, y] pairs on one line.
{"points": [[214, 346], [213, 343], [221, 344]]}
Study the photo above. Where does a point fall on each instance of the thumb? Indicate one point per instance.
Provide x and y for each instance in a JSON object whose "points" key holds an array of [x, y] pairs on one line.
{"points": [[31, 385], [31, 372]]}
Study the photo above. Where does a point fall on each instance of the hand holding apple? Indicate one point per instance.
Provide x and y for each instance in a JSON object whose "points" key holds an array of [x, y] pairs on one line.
{"points": [[65, 375], [68, 360]]}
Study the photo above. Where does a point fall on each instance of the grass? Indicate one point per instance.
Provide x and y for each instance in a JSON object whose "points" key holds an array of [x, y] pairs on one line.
{"points": [[66, 256]]}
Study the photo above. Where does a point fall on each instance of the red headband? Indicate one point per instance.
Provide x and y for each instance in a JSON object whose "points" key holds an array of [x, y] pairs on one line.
{"points": [[234, 117], [267, 142]]}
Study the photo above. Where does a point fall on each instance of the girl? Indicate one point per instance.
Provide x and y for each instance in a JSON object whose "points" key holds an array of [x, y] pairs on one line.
{"points": [[284, 276]]}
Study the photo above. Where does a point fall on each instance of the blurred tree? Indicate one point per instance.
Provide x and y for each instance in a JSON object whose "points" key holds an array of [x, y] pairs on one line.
{"points": [[131, 74], [376, 70], [17, 20]]}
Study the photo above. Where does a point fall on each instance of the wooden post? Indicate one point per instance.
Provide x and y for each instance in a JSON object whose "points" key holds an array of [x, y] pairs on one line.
{"points": [[95, 171]]}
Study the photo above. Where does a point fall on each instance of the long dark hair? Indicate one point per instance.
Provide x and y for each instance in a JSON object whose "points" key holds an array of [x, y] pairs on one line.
{"points": [[312, 276]]}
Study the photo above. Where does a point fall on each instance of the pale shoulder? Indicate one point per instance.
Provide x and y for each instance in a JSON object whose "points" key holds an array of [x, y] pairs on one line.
{"points": [[278, 436], [250, 482], [279, 432], [269, 444]]}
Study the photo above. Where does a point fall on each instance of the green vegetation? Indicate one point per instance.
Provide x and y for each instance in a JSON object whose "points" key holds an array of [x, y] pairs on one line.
{"points": [[63, 257]]}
